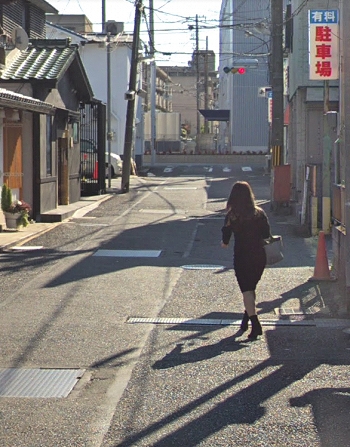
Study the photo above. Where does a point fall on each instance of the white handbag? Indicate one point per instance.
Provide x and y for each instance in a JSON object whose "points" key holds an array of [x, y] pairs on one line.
{"points": [[274, 250]]}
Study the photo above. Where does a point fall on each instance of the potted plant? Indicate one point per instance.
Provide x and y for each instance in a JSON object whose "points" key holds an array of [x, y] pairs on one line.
{"points": [[16, 212]]}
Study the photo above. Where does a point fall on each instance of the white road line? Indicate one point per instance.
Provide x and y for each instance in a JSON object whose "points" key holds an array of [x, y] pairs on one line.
{"points": [[129, 253]]}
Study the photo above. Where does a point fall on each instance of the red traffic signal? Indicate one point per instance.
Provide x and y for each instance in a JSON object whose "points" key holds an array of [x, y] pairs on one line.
{"points": [[239, 70], [234, 70]]}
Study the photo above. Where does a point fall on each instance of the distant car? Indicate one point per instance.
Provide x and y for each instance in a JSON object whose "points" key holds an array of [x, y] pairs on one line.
{"points": [[88, 151]]}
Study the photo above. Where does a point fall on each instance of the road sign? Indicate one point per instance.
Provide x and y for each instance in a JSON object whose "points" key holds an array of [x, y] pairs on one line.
{"points": [[263, 91]]}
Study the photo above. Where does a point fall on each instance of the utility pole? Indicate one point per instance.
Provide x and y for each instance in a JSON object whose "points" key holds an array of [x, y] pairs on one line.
{"points": [[206, 99], [130, 96], [344, 134], [277, 127], [326, 165], [103, 16], [109, 110], [197, 86], [152, 86]]}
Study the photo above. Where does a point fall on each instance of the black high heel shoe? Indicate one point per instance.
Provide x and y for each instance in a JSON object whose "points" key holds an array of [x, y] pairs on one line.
{"points": [[244, 323], [256, 328]]}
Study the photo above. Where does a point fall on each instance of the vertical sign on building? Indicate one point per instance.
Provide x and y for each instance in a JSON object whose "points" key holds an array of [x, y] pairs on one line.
{"points": [[269, 107], [324, 44]]}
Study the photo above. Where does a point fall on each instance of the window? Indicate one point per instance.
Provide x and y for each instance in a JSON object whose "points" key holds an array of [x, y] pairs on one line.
{"points": [[75, 132], [48, 145]]}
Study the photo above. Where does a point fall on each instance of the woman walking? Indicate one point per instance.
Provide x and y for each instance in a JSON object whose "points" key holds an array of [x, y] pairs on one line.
{"points": [[250, 226]]}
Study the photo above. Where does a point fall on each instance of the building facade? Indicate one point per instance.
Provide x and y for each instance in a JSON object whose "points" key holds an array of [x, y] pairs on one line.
{"points": [[93, 49], [316, 146], [39, 146], [244, 36]]}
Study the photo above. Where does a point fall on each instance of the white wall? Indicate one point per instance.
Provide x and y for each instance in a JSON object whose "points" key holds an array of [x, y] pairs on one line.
{"points": [[94, 57], [56, 33], [225, 87], [167, 126]]}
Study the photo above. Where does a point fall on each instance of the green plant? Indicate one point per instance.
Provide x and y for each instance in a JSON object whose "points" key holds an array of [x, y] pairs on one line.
{"points": [[6, 198], [15, 207], [23, 209]]}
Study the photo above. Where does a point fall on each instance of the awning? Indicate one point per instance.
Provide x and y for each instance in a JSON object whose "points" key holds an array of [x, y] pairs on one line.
{"points": [[216, 115], [17, 101]]}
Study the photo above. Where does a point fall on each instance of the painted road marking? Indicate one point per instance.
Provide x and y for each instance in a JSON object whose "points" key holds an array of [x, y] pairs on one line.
{"points": [[129, 253]]}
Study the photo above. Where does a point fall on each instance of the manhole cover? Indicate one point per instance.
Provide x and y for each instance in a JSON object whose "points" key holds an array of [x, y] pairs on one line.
{"points": [[16, 382]]}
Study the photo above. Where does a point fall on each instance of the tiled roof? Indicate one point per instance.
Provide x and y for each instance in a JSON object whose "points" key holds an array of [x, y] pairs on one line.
{"points": [[40, 63], [18, 101]]}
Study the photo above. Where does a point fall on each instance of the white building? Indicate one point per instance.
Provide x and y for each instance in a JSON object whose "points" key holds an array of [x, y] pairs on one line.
{"points": [[93, 52]]}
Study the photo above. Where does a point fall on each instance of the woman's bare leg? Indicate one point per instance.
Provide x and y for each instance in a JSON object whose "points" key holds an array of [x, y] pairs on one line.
{"points": [[249, 302]]}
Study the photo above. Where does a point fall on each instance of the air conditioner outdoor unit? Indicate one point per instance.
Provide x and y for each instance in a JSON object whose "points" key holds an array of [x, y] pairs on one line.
{"points": [[114, 27]]}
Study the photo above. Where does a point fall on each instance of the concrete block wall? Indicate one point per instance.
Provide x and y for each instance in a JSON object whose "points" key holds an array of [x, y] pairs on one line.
{"points": [[207, 159]]}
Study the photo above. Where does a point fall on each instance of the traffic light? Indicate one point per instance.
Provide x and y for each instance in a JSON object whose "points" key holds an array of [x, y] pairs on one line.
{"points": [[234, 70]]}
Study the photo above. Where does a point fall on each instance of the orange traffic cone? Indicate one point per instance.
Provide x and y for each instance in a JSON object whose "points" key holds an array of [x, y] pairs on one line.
{"points": [[321, 272]]}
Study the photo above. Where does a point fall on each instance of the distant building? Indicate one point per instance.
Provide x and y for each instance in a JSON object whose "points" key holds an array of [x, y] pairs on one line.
{"points": [[184, 89], [241, 38], [164, 86], [75, 22]]}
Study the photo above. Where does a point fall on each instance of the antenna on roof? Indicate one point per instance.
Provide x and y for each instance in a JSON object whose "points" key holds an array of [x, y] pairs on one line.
{"points": [[20, 38]]}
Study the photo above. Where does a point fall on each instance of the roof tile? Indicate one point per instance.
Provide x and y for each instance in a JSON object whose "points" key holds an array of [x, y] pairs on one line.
{"points": [[38, 63]]}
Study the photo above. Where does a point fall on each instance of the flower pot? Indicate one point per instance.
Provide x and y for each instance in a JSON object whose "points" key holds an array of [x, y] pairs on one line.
{"points": [[12, 220]]}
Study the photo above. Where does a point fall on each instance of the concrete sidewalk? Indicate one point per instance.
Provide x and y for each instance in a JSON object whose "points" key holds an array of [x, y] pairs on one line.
{"points": [[10, 238]]}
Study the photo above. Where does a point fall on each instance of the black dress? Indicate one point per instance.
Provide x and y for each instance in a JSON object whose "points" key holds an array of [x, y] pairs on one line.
{"points": [[249, 257]]}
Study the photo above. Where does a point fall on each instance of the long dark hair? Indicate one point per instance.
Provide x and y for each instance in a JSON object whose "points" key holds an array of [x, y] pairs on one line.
{"points": [[241, 201]]}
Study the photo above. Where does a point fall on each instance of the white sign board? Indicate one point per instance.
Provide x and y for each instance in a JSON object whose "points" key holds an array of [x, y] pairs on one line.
{"points": [[323, 44]]}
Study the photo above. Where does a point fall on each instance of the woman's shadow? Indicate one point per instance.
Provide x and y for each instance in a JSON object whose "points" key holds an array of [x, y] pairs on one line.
{"points": [[180, 357]]}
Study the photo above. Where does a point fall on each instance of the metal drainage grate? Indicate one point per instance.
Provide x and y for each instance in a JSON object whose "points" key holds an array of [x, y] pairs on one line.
{"points": [[203, 267], [161, 211], [180, 188], [93, 224], [27, 247], [208, 217], [217, 322], [38, 383], [192, 321]]}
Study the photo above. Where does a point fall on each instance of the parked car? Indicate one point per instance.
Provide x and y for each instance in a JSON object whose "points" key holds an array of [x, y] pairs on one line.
{"points": [[88, 157]]}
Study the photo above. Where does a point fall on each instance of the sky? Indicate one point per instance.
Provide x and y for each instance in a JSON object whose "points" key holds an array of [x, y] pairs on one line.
{"points": [[172, 19]]}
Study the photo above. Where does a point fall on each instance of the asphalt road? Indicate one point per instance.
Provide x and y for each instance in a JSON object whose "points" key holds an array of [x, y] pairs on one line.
{"points": [[117, 294]]}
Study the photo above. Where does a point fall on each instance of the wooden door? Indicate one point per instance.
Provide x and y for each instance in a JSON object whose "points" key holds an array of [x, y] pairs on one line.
{"points": [[13, 161], [63, 172]]}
